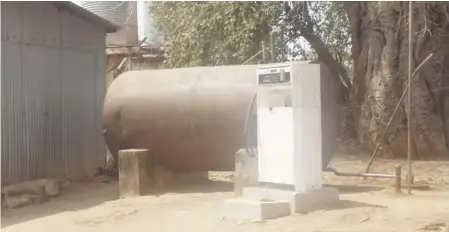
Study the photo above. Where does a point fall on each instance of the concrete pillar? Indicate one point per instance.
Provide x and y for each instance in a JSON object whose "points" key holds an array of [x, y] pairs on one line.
{"points": [[136, 168], [246, 172]]}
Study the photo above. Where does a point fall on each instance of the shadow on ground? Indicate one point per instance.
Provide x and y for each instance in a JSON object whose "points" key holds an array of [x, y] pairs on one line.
{"points": [[206, 186], [203, 186], [345, 204], [90, 193], [355, 188], [79, 195]]}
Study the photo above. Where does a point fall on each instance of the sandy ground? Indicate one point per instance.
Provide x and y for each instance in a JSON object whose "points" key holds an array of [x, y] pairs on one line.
{"points": [[366, 205]]}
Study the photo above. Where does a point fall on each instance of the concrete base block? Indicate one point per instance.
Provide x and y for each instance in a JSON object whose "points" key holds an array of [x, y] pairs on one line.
{"points": [[300, 202], [315, 199], [246, 172], [135, 168], [244, 209]]}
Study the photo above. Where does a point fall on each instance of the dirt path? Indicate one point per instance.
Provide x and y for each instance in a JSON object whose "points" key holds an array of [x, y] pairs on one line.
{"points": [[365, 206]]}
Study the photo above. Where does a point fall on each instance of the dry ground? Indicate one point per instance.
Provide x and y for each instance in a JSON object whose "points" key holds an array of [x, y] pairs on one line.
{"points": [[366, 205]]}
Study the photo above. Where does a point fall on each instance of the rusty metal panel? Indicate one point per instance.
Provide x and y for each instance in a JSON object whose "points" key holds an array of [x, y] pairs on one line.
{"points": [[193, 118]]}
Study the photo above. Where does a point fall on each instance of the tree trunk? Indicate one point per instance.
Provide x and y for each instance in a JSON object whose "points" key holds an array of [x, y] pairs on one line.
{"points": [[380, 52]]}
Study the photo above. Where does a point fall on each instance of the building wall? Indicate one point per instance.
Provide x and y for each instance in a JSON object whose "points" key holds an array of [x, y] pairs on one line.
{"points": [[53, 69], [146, 64]]}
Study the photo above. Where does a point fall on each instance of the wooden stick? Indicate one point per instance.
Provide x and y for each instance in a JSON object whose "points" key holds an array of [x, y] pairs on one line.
{"points": [[272, 47], [264, 53], [409, 119], [252, 57], [398, 186]]}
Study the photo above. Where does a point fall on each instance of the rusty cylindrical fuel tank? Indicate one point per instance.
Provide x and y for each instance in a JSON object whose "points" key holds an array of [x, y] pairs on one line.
{"points": [[192, 118]]}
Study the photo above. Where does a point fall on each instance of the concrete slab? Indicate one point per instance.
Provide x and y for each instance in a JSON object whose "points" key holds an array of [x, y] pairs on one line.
{"points": [[244, 209], [304, 202], [315, 200]]}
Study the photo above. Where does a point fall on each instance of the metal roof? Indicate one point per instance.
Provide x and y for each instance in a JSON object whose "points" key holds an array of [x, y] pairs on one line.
{"points": [[86, 15]]}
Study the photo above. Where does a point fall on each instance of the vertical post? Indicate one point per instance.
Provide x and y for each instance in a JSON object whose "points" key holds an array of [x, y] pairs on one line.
{"points": [[272, 47], [135, 168], [398, 178], [246, 171], [264, 53], [410, 54]]}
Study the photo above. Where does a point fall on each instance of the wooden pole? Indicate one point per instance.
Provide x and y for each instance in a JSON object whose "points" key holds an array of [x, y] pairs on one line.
{"points": [[410, 111], [252, 57], [398, 178], [272, 47], [264, 53]]}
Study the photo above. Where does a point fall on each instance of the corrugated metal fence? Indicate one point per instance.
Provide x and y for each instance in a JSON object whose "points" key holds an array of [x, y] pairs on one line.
{"points": [[53, 84]]}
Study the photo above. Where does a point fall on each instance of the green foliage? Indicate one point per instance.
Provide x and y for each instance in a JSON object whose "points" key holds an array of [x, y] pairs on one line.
{"points": [[332, 26], [214, 33], [328, 21], [221, 33]]}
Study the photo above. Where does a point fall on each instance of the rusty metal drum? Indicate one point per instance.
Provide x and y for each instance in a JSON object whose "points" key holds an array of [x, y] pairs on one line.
{"points": [[192, 118]]}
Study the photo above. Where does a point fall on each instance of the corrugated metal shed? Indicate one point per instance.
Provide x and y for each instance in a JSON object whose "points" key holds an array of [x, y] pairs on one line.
{"points": [[53, 69], [87, 15]]}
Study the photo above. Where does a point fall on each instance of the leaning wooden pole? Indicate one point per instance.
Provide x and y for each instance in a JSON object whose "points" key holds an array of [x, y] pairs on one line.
{"points": [[410, 111]]}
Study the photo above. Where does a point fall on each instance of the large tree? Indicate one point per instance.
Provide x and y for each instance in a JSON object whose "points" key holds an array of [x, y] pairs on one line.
{"points": [[213, 33], [364, 43], [380, 52]]}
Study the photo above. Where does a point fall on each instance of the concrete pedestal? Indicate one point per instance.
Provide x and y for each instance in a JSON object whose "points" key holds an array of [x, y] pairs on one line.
{"points": [[300, 202], [135, 172], [244, 209], [245, 171], [258, 204]]}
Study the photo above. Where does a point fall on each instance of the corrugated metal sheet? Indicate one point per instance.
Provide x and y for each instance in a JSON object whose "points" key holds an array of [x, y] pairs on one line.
{"points": [[122, 13], [52, 92], [113, 11]]}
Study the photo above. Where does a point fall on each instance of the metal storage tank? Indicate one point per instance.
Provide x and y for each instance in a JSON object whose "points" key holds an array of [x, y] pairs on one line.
{"points": [[121, 13], [147, 27], [192, 118]]}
